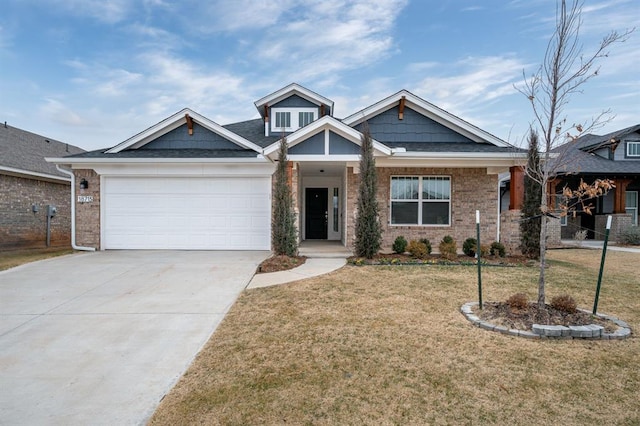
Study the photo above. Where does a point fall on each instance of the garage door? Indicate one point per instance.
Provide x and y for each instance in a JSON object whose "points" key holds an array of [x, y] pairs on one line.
{"points": [[189, 213]]}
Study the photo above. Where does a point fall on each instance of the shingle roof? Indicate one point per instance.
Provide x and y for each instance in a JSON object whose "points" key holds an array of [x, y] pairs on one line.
{"points": [[451, 147], [252, 130], [584, 161], [23, 150], [170, 153]]}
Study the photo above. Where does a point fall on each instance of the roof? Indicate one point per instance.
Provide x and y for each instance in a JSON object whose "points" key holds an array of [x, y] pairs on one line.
{"points": [[585, 161], [252, 130], [170, 153], [23, 152]]}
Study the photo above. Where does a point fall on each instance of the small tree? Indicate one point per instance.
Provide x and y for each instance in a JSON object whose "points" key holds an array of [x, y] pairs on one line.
{"points": [[283, 229], [530, 224], [564, 70], [368, 233]]}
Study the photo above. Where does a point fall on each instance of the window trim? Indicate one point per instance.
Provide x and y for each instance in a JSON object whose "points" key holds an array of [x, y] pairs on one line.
{"points": [[295, 117], [420, 200], [634, 217], [628, 145]]}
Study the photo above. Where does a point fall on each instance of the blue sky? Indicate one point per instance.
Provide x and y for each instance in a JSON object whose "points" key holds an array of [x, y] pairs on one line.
{"points": [[95, 72]]}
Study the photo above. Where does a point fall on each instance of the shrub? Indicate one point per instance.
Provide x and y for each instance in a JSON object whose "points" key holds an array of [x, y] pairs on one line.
{"points": [[564, 303], [427, 244], [448, 248], [417, 249], [400, 245], [484, 249], [469, 247], [518, 301], [497, 249], [630, 236]]}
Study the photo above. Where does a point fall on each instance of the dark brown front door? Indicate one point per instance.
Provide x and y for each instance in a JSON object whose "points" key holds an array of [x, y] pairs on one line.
{"points": [[316, 213]]}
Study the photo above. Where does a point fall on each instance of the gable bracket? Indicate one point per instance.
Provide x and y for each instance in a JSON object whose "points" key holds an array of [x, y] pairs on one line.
{"points": [[189, 123], [322, 111], [266, 113], [401, 108]]}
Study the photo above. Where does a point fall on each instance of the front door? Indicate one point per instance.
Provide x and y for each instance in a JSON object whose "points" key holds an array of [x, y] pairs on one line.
{"points": [[316, 213]]}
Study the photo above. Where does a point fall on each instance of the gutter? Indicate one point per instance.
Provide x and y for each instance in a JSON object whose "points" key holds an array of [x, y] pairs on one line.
{"points": [[73, 210]]}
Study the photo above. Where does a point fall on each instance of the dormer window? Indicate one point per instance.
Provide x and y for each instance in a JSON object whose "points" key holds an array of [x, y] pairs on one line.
{"points": [[291, 119], [633, 149]]}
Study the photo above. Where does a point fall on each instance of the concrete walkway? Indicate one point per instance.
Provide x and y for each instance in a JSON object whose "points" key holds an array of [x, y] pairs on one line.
{"points": [[99, 338], [322, 257], [597, 245]]}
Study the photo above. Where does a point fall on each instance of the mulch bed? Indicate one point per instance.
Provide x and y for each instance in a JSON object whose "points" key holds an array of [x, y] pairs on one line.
{"points": [[500, 313], [436, 259], [280, 263]]}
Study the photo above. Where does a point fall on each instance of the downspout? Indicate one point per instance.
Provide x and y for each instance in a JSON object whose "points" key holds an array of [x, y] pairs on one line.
{"points": [[500, 204], [73, 210]]}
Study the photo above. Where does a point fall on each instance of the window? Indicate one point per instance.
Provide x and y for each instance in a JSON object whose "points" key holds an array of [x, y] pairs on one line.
{"points": [[335, 209], [291, 119], [283, 120], [631, 206], [420, 200], [304, 118], [560, 202], [633, 149]]}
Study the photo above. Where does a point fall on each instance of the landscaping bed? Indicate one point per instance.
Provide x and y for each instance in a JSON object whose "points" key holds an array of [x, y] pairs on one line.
{"points": [[436, 259], [280, 263]]}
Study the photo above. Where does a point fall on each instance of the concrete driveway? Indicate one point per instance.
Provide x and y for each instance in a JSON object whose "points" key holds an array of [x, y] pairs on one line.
{"points": [[99, 338]]}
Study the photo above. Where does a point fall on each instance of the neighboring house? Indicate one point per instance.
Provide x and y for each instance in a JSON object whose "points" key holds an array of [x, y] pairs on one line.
{"points": [[190, 183], [614, 156], [28, 184]]}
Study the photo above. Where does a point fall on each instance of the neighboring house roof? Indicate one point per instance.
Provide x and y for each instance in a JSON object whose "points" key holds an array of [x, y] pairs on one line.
{"points": [[23, 153], [579, 157]]}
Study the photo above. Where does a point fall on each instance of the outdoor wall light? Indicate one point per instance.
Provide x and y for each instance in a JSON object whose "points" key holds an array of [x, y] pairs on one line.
{"points": [[35, 208], [84, 184]]}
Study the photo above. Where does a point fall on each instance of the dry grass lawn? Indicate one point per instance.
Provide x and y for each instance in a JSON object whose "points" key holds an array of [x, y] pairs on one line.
{"points": [[13, 258], [388, 345]]}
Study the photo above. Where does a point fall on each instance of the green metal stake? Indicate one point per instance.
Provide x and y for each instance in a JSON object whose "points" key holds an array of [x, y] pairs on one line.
{"points": [[604, 254], [478, 250]]}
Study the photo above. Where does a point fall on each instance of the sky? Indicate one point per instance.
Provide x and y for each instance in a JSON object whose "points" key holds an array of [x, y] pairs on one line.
{"points": [[93, 73]]}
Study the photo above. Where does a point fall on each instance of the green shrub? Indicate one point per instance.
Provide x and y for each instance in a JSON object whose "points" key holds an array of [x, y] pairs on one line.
{"points": [[470, 246], [427, 244], [400, 245], [630, 236], [497, 249], [518, 301], [417, 249], [564, 303], [448, 248]]}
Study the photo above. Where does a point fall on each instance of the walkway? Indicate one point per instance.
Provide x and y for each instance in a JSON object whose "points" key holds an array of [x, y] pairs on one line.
{"points": [[597, 245]]}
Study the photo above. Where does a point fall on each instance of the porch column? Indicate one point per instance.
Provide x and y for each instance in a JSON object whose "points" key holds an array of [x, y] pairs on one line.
{"points": [[620, 195], [516, 188]]}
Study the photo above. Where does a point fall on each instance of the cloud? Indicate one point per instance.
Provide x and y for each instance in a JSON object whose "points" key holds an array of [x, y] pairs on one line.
{"points": [[59, 113], [108, 11]]}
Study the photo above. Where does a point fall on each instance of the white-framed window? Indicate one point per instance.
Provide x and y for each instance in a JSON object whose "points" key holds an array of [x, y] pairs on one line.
{"points": [[633, 148], [283, 119], [421, 200], [563, 214], [631, 206], [291, 119]]}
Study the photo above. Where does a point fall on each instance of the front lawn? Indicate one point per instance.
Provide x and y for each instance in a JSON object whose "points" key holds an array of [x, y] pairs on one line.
{"points": [[388, 345]]}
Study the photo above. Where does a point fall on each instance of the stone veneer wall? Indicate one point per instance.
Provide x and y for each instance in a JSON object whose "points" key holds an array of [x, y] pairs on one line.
{"points": [[20, 227], [471, 190], [620, 222], [88, 214]]}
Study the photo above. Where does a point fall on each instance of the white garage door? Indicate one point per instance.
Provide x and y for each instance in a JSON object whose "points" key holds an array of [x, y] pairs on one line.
{"points": [[231, 213]]}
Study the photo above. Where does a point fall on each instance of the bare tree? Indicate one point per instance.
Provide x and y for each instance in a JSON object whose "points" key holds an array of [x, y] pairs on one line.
{"points": [[564, 70]]}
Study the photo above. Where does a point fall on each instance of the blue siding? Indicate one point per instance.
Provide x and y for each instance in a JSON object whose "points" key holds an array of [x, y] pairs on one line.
{"points": [[341, 146], [202, 138], [415, 127], [312, 146], [294, 101]]}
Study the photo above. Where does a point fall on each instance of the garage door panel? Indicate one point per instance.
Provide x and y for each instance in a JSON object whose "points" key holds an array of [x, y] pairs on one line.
{"points": [[186, 213]]}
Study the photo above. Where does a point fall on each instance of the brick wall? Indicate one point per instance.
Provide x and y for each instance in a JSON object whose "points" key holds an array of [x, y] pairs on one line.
{"points": [[510, 230], [19, 226], [471, 190], [88, 214]]}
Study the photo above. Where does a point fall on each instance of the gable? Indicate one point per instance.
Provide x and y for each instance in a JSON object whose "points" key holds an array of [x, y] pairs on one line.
{"points": [[339, 145], [179, 138], [296, 102], [414, 127], [311, 146]]}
